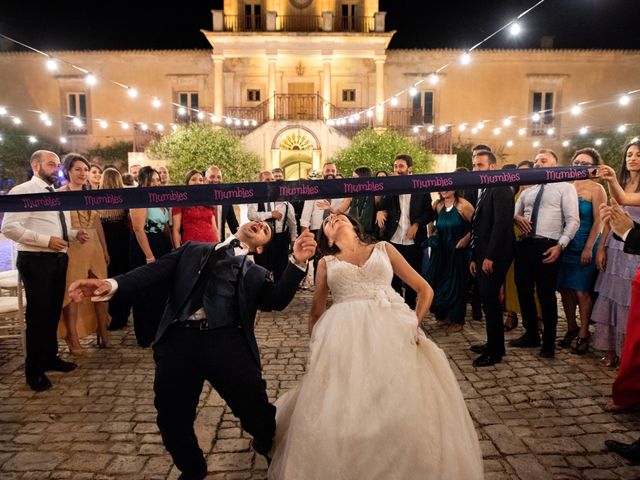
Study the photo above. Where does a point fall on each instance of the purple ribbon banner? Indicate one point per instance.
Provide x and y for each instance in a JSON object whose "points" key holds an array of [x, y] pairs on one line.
{"points": [[237, 193]]}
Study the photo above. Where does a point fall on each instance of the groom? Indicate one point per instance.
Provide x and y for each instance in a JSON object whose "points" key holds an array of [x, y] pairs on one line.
{"points": [[206, 333]]}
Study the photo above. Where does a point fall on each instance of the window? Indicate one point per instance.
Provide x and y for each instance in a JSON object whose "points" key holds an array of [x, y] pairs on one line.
{"points": [[189, 103], [349, 95], [253, 95], [422, 108], [348, 17], [542, 104], [252, 17], [77, 111]]}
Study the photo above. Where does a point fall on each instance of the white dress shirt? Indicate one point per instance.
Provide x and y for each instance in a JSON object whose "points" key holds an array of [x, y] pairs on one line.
{"points": [[33, 230], [285, 208], [400, 235], [312, 216], [558, 214]]}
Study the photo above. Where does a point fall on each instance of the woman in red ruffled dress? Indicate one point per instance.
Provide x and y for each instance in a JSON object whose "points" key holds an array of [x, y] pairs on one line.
{"points": [[197, 223]]}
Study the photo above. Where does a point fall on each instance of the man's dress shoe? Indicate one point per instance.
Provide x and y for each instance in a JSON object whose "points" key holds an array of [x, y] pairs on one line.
{"points": [[479, 348], [524, 342], [59, 365], [486, 360], [38, 382], [630, 451]]}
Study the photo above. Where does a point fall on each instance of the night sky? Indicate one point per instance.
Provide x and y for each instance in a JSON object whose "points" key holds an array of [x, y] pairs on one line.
{"points": [[144, 24]]}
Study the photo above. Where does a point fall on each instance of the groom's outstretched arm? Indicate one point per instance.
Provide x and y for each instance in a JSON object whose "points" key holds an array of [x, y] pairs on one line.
{"points": [[276, 296]]}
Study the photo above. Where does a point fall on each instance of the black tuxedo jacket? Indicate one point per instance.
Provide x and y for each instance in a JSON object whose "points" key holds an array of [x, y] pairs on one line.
{"points": [[632, 243], [180, 269], [420, 212], [228, 216], [492, 226]]}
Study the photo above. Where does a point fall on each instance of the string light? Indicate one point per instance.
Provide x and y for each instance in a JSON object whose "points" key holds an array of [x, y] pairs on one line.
{"points": [[515, 29], [522, 132], [497, 131], [3, 111], [624, 100], [583, 130], [433, 79], [182, 111], [144, 127], [63, 140], [125, 126], [509, 143], [48, 123], [431, 129], [44, 117], [480, 125], [442, 129], [507, 122], [551, 131], [536, 117], [598, 142], [565, 144], [52, 65], [104, 124], [465, 58], [576, 110], [174, 127], [155, 103], [16, 121], [622, 128], [369, 113], [160, 127], [462, 127], [32, 139], [536, 144], [77, 122], [415, 129], [91, 79], [394, 101], [413, 91], [132, 92]]}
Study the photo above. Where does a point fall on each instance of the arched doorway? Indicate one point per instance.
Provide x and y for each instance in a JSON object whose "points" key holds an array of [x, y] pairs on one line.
{"points": [[297, 151], [297, 167]]}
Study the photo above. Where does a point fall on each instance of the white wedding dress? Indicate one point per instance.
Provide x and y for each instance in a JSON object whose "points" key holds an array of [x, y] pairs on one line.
{"points": [[373, 404]]}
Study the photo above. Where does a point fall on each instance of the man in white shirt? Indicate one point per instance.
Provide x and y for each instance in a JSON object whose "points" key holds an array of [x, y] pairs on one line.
{"points": [[281, 218], [42, 239], [224, 213], [548, 217], [314, 211]]}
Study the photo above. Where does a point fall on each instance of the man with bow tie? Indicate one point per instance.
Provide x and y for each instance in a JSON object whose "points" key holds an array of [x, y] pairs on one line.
{"points": [[206, 332]]}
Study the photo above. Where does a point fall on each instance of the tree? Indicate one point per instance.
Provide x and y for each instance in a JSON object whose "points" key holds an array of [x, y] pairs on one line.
{"points": [[611, 146], [15, 152], [200, 146], [377, 151]]}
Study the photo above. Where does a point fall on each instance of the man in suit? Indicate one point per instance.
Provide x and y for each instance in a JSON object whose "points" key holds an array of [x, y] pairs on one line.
{"points": [[493, 245], [42, 238], [404, 219], [224, 213], [206, 333]]}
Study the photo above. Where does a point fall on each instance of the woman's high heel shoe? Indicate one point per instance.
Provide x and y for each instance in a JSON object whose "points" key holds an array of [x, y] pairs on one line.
{"points": [[611, 362], [511, 321], [74, 347], [580, 345]]}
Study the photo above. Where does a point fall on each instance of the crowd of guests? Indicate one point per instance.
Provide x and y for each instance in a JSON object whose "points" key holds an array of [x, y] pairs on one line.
{"points": [[506, 250]]}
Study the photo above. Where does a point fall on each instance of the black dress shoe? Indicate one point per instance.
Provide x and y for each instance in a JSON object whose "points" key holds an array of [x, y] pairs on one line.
{"points": [[59, 365], [630, 451], [486, 360], [547, 353], [524, 342], [480, 348], [199, 475], [38, 382]]}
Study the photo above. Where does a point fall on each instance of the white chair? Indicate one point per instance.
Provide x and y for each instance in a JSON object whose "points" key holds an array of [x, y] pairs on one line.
{"points": [[12, 323], [9, 283]]}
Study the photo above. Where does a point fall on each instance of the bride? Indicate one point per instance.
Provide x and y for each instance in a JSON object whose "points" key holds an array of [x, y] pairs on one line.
{"points": [[378, 400]]}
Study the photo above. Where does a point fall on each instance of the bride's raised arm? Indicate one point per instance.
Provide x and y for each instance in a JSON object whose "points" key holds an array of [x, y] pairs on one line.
{"points": [[412, 278], [320, 295]]}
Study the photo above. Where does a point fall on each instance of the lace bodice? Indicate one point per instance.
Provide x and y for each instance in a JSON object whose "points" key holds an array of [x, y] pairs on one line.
{"points": [[371, 281]]}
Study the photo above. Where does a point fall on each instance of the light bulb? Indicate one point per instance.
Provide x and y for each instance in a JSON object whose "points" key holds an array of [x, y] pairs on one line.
{"points": [[415, 129], [622, 128], [331, 122], [462, 127], [474, 130], [144, 127], [522, 132], [535, 117], [215, 119], [63, 140], [430, 128], [174, 127], [565, 144], [433, 79], [497, 131], [509, 143], [394, 101], [44, 117], [200, 116], [237, 122], [3, 111], [48, 122], [125, 126], [576, 110], [104, 124], [480, 125], [182, 111], [32, 139], [156, 102], [413, 91], [91, 79], [598, 142], [506, 122], [583, 130], [442, 129], [536, 144], [52, 65], [515, 29], [16, 121], [551, 131], [77, 122], [369, 113], [624, 100], [228, 120], [465, 58], [245, 123], [160, 127], [254, 123], [132, 92]]}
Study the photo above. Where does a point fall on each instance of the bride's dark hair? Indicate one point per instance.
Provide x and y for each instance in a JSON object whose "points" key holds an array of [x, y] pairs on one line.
{"points": [[323, 242]]}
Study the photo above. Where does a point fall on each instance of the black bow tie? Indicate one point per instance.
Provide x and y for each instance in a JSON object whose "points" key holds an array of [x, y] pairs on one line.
{"points": [[235, 243]]}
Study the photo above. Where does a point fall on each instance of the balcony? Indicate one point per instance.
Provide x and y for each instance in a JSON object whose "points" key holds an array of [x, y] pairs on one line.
{"points": [[272, 22]]}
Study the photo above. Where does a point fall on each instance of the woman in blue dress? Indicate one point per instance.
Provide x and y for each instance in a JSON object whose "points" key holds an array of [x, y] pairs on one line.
{"points": [[448, 272], [578, 270], [150, 239]]}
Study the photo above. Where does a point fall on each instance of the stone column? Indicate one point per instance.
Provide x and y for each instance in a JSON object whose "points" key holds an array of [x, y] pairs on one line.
{"points": [[218, 82], [271, 86], [326, 87], [379, 90]]}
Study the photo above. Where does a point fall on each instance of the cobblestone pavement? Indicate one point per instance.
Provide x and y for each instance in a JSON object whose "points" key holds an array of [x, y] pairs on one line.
{"points": [[536, 418]]}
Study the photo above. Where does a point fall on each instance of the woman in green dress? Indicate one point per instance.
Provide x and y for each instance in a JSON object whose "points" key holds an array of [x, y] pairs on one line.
{"points": [[448, 271]]}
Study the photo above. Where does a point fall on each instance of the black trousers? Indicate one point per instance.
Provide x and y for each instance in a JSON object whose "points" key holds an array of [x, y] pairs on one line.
{"points": [[533, 275], [489, 288], [44, 276], [117, 235], [413, 255], [185, 358]]}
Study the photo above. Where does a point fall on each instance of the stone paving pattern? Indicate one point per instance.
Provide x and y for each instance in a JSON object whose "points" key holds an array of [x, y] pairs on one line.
{"points": [[536, 418]]}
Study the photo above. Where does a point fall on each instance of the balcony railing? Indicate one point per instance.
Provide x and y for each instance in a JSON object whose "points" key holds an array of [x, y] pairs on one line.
{"points": [[296, 23], [354, 24]]}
